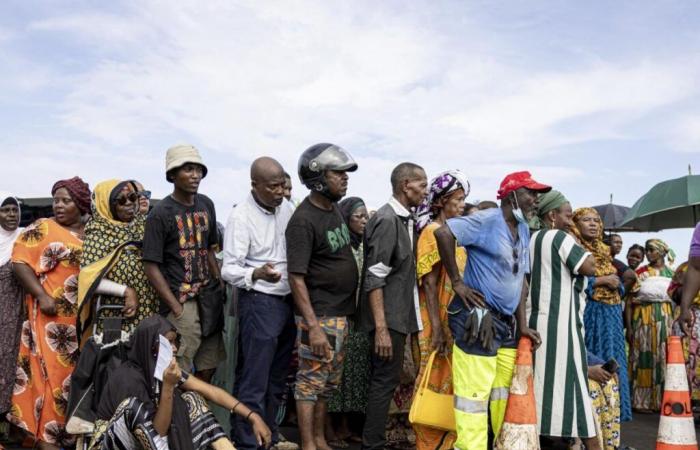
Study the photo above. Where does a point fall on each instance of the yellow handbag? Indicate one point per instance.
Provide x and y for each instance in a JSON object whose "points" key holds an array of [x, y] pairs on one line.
{"points": [[430, 408]]}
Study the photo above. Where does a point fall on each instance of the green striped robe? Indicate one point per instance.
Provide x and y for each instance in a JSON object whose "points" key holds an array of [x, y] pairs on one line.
{"points": [[556, 303]]}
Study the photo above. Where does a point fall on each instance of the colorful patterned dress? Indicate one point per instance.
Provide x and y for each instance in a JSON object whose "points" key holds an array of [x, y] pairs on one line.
{"points": [[112, 250], [691, 344], [441, 373], [49, 346], [606, 409], [652, 319], [352, 393], [602, 316]]}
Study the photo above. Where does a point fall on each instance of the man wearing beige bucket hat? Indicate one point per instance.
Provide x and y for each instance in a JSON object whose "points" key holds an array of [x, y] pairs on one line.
{"points": [[178, 252]]}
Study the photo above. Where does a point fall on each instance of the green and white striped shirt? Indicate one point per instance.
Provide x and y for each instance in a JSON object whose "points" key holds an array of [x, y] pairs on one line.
{"points": [[556, 302]]}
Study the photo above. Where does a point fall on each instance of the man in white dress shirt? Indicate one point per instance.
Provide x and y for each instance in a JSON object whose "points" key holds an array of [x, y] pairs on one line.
{"points": [[255, 261]]}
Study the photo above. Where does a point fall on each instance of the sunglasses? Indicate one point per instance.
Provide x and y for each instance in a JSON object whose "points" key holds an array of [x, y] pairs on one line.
{"points": [[132, 197], [144, 194], [516, 262]]}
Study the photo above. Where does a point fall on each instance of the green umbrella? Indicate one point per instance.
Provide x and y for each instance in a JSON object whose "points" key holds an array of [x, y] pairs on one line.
{"points": [[670, 204]]}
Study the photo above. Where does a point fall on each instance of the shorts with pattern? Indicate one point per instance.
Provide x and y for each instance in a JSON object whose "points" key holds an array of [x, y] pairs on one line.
{"points": [[319, 376]]}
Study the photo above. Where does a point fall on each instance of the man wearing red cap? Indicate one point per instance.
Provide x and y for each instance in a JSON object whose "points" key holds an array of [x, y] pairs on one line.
{"points": [[482, 314]]}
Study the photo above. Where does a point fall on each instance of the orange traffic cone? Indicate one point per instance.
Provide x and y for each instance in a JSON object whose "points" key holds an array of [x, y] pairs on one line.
{"points": [[519, 430], [676, 427]]}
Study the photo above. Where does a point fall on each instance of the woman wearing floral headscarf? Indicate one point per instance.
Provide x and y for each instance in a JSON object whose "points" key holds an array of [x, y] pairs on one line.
{"points": [[445, 200], [602, 317], [46, 260], [652, 318]]}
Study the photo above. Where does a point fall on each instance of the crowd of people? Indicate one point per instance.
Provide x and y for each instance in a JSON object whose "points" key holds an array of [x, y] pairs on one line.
{"points": [[356, 306]]}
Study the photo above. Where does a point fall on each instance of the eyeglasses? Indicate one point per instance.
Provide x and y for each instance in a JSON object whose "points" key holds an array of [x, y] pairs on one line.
{"points": [[516, 261], [144, 194], [132, 197]]}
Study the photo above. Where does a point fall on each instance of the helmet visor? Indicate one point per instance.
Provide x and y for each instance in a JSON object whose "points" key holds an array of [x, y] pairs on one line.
{"points": [[333, 158]]}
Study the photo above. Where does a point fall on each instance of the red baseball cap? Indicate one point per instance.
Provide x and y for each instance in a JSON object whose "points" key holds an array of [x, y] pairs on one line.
{"points": [[517, 180]]}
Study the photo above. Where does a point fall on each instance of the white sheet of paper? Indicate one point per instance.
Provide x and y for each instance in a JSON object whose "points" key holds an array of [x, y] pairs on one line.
{"points": [[165, 355]]}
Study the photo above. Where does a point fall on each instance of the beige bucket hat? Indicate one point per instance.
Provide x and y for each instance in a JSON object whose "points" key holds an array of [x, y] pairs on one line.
{"points": [[181, 154]]}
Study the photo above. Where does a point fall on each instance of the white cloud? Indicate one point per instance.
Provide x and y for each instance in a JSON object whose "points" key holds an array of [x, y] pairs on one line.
{"points": [[104, 30], [685, 134], [527, 114]]}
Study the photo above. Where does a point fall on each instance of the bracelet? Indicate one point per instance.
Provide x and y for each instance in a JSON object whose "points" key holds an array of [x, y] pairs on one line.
{"points": [[248, 416], [233, 410]]}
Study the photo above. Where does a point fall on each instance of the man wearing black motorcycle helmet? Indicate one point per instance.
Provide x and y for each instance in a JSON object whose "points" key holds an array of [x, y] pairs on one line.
{"points": [[323, 279]]}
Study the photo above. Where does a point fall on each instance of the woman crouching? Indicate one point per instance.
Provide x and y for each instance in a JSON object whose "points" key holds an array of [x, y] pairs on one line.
{"points": [[142, 412]]}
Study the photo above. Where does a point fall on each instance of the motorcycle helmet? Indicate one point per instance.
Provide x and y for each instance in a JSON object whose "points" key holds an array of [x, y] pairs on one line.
{"points": [[321, 157]]}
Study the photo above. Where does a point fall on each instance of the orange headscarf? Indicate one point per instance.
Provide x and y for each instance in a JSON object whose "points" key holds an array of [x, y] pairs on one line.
{"points": [[601, 253]]}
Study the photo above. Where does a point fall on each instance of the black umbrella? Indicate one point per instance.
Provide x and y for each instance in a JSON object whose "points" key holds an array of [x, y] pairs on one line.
{"points": [[613, 216]]}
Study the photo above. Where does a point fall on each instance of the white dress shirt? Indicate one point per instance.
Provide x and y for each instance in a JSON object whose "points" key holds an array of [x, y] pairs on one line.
{"points": [[254, 236]]}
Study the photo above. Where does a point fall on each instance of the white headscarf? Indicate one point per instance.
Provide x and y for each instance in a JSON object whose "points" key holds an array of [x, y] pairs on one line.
{"points": [[7, 238]]}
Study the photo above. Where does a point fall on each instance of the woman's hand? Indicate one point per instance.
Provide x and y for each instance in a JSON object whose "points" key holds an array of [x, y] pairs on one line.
{"points": [[172, 374], [262, 432], [611, 281], [47, 305], [438, 341], [131, 302], [597, 373], [685, 320]]}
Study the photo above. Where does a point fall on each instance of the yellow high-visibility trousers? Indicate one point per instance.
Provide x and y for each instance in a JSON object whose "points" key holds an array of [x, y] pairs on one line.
{"points": [[481, 383]]}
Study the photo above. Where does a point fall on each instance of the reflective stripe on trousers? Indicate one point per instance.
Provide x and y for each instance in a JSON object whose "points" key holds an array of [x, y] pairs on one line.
{"points": [[480, 382]]}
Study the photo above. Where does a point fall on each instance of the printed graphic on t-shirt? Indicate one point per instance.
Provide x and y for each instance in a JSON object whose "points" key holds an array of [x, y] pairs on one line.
{"points": [[191, 228], [338, 237]]}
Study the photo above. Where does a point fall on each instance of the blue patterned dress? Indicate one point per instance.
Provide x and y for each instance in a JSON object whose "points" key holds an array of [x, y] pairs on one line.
{"points": [[605, 337]]}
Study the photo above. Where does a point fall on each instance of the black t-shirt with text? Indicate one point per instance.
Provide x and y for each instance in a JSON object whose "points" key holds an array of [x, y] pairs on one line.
{"points": [[318, 247], [178, 237]]}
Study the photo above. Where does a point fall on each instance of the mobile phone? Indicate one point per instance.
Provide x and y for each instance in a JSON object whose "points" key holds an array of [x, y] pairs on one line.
{"points": [[611, 366]]}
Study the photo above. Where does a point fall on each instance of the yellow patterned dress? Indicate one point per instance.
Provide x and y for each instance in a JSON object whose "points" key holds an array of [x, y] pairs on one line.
{"points": [[441, 373], [605, 400], [691, 344], [112, 250]]}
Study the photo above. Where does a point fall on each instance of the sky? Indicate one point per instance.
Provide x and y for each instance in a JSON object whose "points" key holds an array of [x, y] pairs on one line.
{"points": [[595, 98]]}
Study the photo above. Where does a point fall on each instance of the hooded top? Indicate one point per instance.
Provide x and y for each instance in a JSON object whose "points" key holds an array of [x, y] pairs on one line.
{"points": [[135, 379], [347, 206]]}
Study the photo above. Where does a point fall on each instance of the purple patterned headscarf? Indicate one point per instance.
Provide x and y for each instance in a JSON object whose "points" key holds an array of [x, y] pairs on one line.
{"points": [[443, 184]]}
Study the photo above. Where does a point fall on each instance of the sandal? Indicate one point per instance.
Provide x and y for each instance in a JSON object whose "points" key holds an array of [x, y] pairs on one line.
{"points": [[355, 438], [338, 443]]}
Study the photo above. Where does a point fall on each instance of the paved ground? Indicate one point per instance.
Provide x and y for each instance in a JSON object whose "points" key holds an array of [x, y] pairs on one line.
{"points": [[640, 433]]}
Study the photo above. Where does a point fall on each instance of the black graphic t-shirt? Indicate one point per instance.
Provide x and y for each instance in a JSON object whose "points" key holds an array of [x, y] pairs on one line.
{"points": [[178, 237], [318, 247]]}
